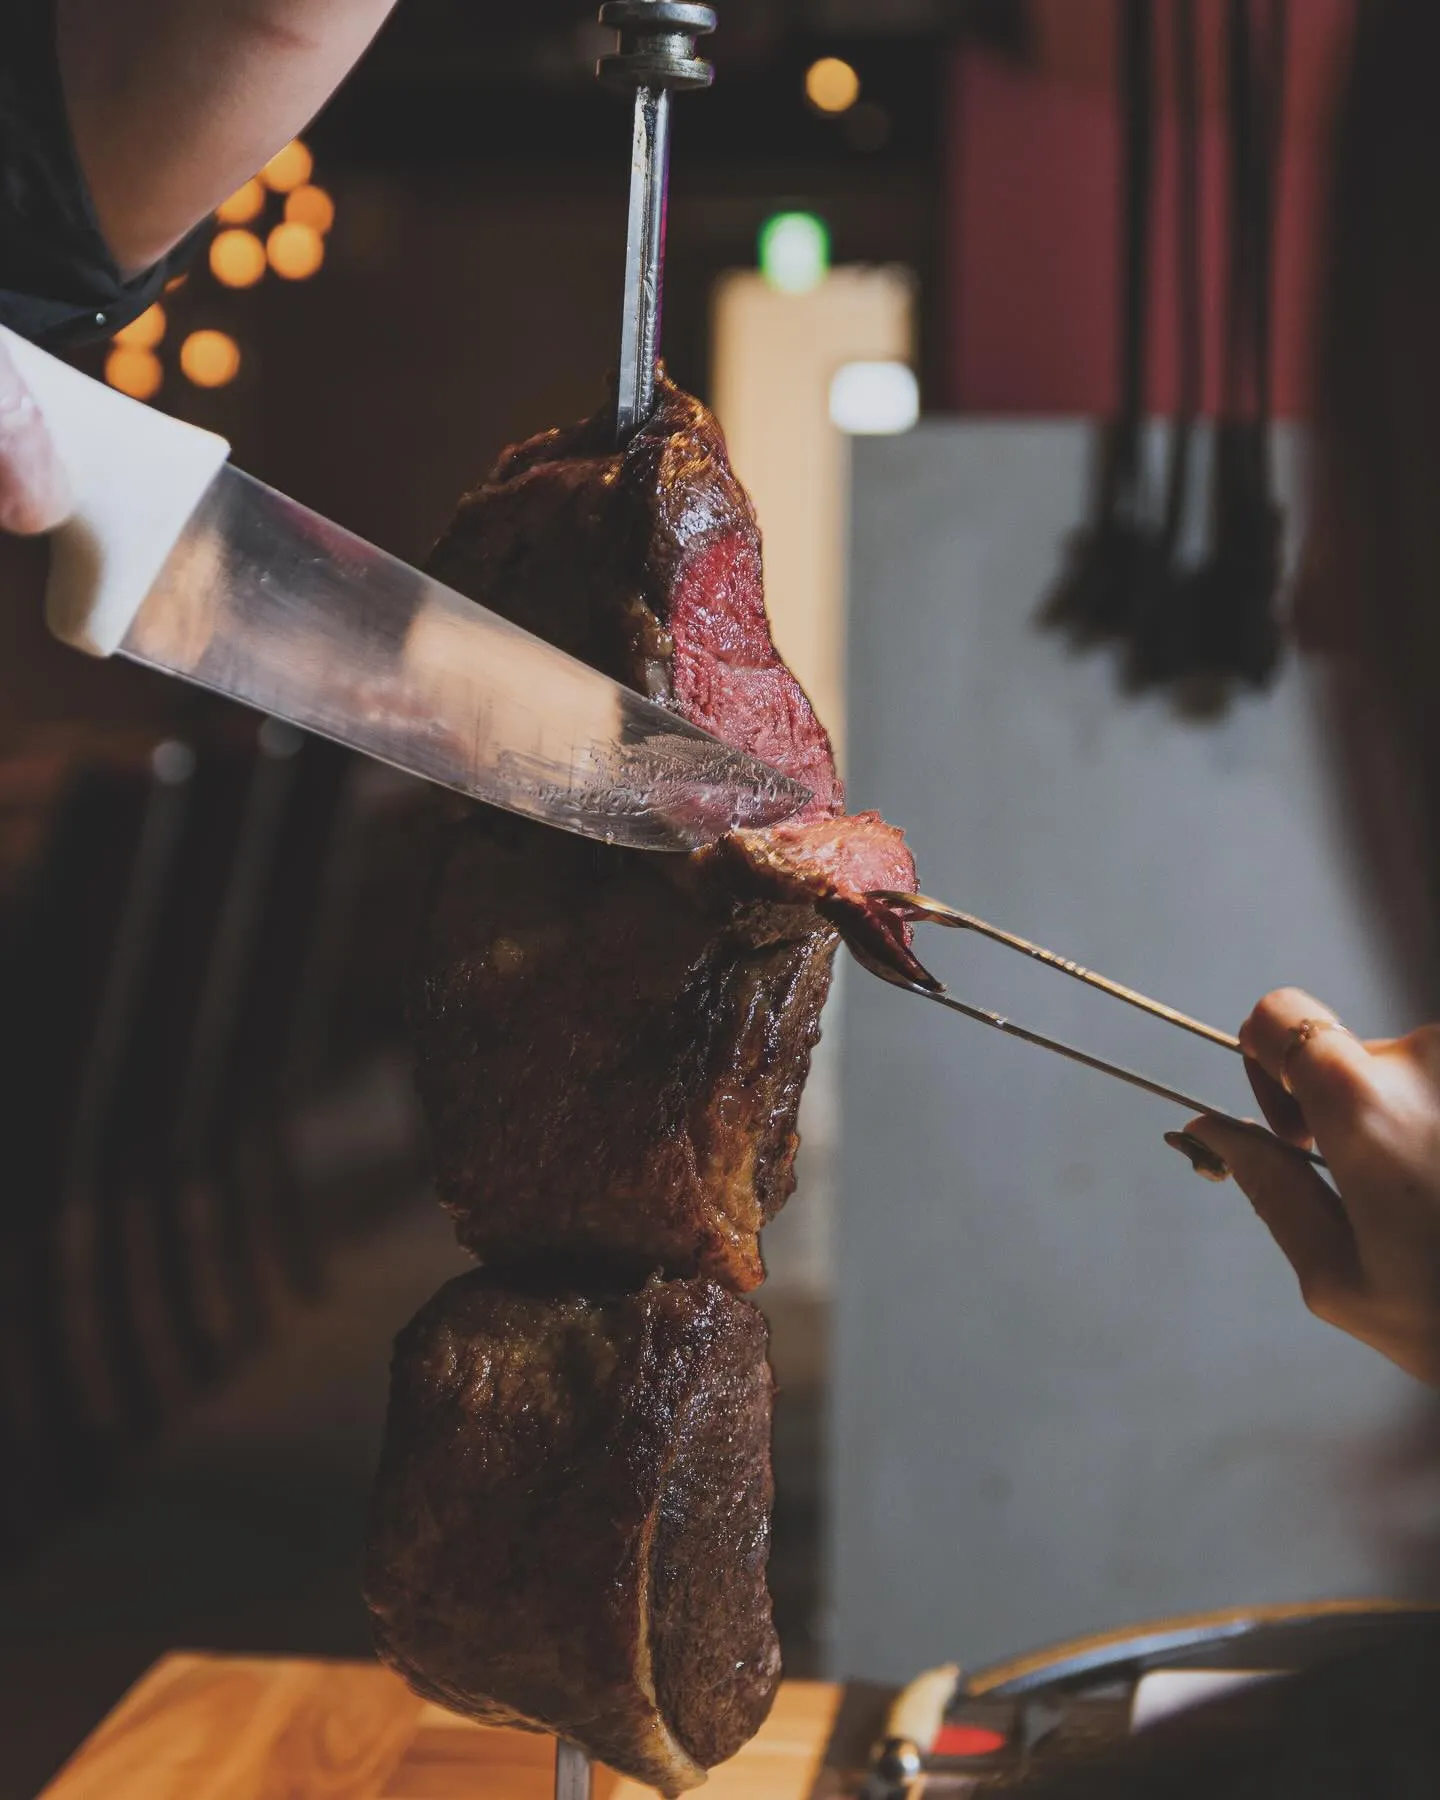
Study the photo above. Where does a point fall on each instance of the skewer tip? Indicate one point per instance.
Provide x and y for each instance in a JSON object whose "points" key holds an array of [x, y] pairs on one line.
{"points": [[573, 1772]]}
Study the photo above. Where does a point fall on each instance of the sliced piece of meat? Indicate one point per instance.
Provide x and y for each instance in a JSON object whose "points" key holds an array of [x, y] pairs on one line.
{"points": [[612, 1046], [834, 865], [572, 1518]]}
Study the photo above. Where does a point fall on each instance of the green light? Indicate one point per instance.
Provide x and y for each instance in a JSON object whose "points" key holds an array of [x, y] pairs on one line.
{"points": [[794, 252]]}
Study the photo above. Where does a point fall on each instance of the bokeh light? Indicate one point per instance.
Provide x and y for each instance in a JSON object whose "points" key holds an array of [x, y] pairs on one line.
{"points": [[794, 252], [211, 359], [310, 206], [874, 399], [134, 372], [145, 332], [831, 85], [288, 168], [295, 251], [245, 204], [237, 258]]}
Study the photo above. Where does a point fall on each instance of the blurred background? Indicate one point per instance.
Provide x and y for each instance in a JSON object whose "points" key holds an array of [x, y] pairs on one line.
{"points": [[1003, 305]]}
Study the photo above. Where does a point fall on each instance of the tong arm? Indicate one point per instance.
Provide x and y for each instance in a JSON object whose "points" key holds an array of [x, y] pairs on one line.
{"points": [[917, 907]]}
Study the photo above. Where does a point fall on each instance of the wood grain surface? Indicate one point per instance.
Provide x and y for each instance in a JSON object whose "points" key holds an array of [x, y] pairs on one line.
{"points": [[202, 1727]]}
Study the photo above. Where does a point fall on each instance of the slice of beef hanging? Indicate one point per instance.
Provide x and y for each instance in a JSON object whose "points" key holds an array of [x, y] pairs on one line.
{"points": [[571, 1521], [611, 1045]]}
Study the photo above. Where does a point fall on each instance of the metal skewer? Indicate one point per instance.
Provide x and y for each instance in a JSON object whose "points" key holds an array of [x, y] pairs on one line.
{"points": [[573, 1772], [644, 262], [655, 56], [917, 906]]}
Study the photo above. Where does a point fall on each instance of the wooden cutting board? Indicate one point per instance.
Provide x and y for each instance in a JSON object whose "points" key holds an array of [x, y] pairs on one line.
{"points": [[258, 1728]]}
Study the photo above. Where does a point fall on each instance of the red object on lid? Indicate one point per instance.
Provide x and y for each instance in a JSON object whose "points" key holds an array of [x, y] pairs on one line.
{"points": [[967, 1740]]}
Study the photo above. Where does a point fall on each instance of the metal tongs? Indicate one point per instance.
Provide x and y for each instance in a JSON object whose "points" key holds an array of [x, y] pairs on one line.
{"points": [[919, 909], [653, 58]]}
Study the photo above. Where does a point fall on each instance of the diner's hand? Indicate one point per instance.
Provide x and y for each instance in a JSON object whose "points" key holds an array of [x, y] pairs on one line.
{"points": [[34, 494], [1368, 1259]]}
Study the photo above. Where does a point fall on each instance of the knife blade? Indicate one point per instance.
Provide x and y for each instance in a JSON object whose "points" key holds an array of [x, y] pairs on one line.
{"points": [[176, 559], [265, 601]]}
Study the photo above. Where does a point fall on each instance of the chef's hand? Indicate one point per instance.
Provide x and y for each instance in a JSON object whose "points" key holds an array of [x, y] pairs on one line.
{"points": [[34, 494], [1368, 1260], [173, 103]]}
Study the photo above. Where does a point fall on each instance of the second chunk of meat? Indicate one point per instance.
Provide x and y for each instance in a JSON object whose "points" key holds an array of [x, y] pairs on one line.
{"points": [[571, 1520]]}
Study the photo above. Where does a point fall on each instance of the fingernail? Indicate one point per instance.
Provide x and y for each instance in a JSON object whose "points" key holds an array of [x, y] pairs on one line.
{"points": [[1201, 1157]]}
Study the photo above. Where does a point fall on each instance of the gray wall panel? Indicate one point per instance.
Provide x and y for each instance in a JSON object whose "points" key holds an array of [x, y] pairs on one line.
{"points": [[1074, 1385]]}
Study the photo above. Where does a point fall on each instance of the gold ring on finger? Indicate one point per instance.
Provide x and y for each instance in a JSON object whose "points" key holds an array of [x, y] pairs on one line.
{"points": [[1299, 1036]]}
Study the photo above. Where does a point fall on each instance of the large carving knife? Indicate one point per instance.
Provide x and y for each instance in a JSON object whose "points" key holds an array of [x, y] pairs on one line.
{"points": [[176, 559]]}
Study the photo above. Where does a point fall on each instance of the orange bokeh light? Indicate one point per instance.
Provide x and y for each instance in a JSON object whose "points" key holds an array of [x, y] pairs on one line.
{"points": [[210, 359], [245, 204], [831, 85], [296, 251], [134, 372], [237, 259], [145, 332], [288, 168], [310, 206]]}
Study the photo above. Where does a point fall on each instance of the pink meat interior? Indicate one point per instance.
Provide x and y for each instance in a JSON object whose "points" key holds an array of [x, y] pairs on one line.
{"points": [[728, 676], [729, 679]]}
